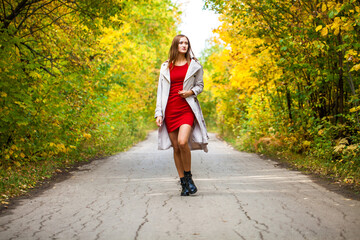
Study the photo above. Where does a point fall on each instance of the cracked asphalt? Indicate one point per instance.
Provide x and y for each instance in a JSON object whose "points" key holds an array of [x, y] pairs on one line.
{"points": [[136, 195]]}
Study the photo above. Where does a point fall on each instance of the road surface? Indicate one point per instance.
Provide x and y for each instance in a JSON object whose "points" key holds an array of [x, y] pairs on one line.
{"points": [[136, 195]]}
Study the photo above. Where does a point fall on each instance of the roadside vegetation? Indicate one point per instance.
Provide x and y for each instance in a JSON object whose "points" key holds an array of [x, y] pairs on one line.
{"points": [[282, 78], [77, 82]]}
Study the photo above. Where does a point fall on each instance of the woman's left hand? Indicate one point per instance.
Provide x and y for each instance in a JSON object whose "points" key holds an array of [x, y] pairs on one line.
{"points": [[185, 94]]}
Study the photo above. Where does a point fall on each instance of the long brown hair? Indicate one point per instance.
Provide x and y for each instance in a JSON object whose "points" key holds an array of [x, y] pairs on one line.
{"points": [[174, 52]]}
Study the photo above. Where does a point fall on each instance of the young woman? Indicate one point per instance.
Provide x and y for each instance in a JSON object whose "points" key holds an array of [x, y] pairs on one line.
{"points": [[178, 113]]}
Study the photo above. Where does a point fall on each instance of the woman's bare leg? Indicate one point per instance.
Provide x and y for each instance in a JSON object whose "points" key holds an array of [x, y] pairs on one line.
{"points": [[183, 139], [177, 155]]}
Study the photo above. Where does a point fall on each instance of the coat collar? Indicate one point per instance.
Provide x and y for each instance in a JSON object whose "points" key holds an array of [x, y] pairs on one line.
{"points": [[193, 68], [165, 70]]}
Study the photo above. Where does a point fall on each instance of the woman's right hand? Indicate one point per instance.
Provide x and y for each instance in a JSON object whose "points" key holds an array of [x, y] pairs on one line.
{"points": [[159, 121]]}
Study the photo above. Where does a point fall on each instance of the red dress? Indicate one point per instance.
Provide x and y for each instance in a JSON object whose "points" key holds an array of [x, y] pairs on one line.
{"points": [[178, 111]]}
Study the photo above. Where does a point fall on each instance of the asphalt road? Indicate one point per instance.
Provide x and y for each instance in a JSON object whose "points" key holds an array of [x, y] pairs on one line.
{"points": [[136, 195]]}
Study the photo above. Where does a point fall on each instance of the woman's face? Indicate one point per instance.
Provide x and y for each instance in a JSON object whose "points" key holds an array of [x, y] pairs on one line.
{"points": [[183, 45]]}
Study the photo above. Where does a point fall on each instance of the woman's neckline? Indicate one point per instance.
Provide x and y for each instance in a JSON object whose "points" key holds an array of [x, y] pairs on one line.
{"points": [[181, 65]]}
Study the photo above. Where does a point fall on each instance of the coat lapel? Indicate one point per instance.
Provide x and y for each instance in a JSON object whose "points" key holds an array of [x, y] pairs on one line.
{"points": [[194, 66], [165, 71]]}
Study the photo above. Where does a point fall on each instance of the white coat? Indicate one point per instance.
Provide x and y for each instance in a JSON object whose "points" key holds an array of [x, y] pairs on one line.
{"points": [[193, 81]]}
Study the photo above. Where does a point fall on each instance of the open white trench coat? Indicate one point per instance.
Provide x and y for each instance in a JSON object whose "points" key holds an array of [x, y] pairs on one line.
{"points": [[193, 81]]}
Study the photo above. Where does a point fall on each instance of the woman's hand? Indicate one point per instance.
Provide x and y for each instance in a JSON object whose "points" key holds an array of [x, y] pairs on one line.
{"points": [[159, 121], [185, 94]]}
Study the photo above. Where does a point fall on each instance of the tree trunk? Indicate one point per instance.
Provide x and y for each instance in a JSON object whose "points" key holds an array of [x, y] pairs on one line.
{"points": [[288, 100], [340, 98]]}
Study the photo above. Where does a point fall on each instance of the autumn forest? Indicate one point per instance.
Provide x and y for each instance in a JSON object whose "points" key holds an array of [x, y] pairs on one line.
{"points": [[79, 79]]}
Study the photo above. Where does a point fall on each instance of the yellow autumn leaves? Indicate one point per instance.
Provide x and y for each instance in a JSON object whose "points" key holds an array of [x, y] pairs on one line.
{"points": [[337, 24], [292, 67], [14, 151], [78, 80]]}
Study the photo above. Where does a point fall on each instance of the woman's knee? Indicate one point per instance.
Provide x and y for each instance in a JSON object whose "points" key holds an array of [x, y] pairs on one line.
{"points": [[183, 145], [176, 148]]}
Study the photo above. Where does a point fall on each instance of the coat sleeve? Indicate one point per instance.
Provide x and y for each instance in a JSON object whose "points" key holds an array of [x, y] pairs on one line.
{"points": [[199, 82], [158, 99]]}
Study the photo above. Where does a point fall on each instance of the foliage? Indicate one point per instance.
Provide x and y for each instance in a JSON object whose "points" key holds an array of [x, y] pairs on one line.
{"points": [[78, 80], [287, 77]]}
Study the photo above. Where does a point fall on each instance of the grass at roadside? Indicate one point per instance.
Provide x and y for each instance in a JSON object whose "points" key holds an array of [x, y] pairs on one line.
{"points": [[16, 180]]}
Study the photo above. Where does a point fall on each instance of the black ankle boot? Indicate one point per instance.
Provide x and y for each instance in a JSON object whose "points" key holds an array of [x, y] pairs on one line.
{"points": [[191, 186], [184, 185]]}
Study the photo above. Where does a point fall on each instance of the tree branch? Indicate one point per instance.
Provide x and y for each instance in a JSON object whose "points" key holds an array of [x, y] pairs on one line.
{"points": [[3, 5], [15, 12], [26, 17], [45, 26]]}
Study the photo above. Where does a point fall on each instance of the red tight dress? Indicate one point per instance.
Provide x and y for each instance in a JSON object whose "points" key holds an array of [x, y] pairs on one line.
{"points": [[178, 111]]}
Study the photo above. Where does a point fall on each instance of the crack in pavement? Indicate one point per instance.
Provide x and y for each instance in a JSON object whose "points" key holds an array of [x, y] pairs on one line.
{"points": [[145, 220], [241, 236], [257, 223], [166, 200]]}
